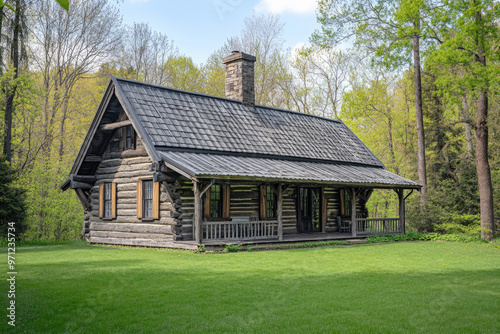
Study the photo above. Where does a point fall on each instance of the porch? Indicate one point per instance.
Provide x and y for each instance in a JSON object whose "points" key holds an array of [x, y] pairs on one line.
{"points": [[251, 232]]}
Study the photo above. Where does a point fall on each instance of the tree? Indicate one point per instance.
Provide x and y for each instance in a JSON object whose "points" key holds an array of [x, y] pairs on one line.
{"points": [[261, 36], [17, 45], [68, 46], [393, 31], [147, 51], [472, 44], [12, 200]]}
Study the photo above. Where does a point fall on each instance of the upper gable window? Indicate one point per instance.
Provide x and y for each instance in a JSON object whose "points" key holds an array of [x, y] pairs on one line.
{"points": [[129, 138]]}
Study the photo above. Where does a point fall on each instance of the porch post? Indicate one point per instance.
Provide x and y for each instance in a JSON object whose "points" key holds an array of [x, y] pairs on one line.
{"points": [[280, 211], [354, 224], [401, 210], [197, 224]]}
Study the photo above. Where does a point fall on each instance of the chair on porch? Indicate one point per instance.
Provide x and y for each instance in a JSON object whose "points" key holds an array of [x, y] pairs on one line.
{"points": [[344, 225]]}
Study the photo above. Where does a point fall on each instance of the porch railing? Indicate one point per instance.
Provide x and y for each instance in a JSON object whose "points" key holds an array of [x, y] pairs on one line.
{"points": [[371, 225], [241, 230]]}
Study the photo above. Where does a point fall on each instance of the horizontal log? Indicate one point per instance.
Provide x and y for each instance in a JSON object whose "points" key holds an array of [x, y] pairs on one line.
{"points": [[92, 158], [132, 235], [122, 162], [123, 168], [133, 219], [144, 243], [137, 228], [139, 152], [187, 236], [80, 185], [83, 178], [125, 175], [116, 125]]}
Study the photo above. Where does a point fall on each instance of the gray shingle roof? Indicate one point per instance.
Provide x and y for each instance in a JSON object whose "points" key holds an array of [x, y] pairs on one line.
{"points": [[212, 165], [178, 119]]}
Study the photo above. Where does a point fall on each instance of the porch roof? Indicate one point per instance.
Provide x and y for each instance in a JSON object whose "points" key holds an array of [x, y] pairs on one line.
{"points": [[204, 165]]}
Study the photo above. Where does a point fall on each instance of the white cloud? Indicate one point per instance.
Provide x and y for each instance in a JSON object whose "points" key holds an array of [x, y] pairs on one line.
{"points": [[281, 6]]}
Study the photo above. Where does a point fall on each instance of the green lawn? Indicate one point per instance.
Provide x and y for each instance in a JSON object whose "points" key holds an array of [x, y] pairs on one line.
{"points": [[426, 287]]}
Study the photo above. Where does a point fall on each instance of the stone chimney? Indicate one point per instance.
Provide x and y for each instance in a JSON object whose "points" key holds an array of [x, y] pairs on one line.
{"points": [[240, 77]]}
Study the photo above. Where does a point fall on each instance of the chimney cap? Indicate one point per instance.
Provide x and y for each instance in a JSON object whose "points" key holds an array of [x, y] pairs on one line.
{"points": [[237, 55]]}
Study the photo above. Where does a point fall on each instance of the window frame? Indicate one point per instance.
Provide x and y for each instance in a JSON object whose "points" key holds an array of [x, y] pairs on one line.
{"points": [[346, 203], [223, 207], [108, 200], [147, 210], [218, 214], [271, 198], [128, 138]]}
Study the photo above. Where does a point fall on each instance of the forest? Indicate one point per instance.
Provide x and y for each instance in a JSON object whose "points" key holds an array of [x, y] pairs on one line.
{"points": [[416, 81]]}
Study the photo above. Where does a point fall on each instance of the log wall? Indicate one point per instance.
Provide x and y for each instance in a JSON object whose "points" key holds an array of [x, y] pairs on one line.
{"points": [[244, 203], [125, 168]]}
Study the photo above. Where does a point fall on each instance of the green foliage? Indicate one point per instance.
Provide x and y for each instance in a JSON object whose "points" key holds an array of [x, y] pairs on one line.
{"points": [[231, 248], [201, 249], [12, 200], [411, 236], [52, 215], [33, 243]]}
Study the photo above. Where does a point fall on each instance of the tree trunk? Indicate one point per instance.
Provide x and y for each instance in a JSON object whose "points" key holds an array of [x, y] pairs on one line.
{"points": [[483, 168], [11, 91], [422, 175], [465, 118]]}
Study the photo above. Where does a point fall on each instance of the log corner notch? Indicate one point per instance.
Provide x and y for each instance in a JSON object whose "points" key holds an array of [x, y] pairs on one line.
{"points": [[84, 182]]}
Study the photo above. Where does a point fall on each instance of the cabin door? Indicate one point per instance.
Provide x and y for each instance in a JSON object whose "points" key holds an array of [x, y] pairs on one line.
{"points": [[308, 210]]}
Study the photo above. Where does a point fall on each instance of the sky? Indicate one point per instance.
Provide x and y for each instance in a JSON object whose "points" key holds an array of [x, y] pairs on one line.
{"points": [[199, 27]]}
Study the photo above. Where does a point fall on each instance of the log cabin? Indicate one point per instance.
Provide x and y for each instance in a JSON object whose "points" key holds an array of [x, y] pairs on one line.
{"points": [[161, 167]]}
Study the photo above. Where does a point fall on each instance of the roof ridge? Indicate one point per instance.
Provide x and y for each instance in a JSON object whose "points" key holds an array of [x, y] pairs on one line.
{"points": [[226, 99]]}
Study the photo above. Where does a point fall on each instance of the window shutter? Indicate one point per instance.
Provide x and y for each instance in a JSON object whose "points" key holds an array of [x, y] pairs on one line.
{"points": [[263, 200], [156, 200], [206, 205], [342, 202], [139, 199], [226, 198], [101, 200], [113, 200]]}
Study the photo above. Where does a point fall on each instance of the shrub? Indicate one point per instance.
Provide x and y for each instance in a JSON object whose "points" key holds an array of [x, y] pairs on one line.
{"points": [[458, 237], [201, 248], [232, 248]]}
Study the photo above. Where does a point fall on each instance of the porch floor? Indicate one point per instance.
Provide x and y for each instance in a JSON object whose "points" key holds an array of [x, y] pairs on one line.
{"points": [[287, 238]]}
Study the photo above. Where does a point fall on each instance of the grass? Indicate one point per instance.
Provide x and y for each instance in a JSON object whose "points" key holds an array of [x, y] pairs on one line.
{"points": [[416, 287]]}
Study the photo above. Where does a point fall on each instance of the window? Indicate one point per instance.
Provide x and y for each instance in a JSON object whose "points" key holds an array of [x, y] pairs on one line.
{"points": [[148, 199], [345, 203], [268, 202], [128, 135], [217, 202], [107, 200]]}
